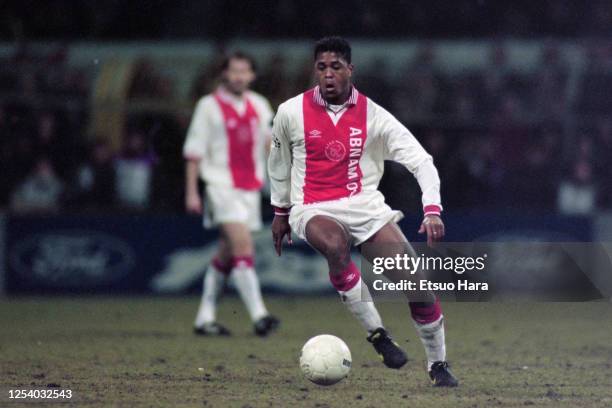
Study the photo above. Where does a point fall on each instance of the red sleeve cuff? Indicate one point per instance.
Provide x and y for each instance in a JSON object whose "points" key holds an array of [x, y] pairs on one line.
{"points": [[281, 211], [432, 209]]}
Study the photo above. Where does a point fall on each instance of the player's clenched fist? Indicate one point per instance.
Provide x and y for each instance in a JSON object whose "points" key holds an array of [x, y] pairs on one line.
{"points": [[280, 228]]}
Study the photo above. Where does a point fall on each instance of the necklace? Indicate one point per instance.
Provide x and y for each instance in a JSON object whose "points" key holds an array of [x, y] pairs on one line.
{"points": [[335, 109]]}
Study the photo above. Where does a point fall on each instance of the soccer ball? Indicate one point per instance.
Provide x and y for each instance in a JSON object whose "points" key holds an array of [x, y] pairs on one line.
{"points": [[325, 359]]}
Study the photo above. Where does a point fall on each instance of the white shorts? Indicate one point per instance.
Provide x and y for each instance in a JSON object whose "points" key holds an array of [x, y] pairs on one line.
{"points": [[362, 215], [228, 204]]}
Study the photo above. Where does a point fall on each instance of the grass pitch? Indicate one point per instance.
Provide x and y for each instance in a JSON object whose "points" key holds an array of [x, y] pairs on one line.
{"points": [[141, 352]]}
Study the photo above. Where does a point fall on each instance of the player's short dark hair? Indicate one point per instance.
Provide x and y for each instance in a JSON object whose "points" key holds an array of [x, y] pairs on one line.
{"points": [[333, 44], [238, 55]]}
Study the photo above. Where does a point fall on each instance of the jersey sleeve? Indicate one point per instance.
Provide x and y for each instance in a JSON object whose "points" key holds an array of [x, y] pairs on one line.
{"points": [[401, 146], [194, 147], [279, 161]]}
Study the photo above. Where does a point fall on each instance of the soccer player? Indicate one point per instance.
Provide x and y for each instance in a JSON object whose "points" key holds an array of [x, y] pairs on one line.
{"points": [[326, 160], [226, 145]]}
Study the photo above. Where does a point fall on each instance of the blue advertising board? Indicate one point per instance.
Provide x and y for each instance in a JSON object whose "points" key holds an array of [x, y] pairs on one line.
{"points": [[168, 254]]}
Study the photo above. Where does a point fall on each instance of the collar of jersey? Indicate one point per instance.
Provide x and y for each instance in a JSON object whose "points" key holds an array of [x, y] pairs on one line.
{"points": [[228, 97], [318, 98]]}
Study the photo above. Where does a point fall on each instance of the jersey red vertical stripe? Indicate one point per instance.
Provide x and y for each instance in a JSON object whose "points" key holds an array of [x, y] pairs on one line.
{"points": [[333, 151], [241, 133]]}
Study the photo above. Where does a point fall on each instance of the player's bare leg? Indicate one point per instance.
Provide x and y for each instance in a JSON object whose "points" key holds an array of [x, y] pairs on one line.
{"points": [[332, 240], [426, 311], [240, 242], [214, 281]]}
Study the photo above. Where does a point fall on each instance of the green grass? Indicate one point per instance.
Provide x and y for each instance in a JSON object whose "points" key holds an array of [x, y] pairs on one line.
{"points": [[141, 352]]}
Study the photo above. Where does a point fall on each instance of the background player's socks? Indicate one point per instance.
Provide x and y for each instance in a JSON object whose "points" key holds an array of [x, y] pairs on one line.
{"points": [[356, 297], [213, 281], [246, 282], [429, 323]]}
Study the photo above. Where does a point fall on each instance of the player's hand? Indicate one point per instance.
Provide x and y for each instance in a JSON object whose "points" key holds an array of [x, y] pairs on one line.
{"points": [[434, 227], [280, 228], [193, 203]]}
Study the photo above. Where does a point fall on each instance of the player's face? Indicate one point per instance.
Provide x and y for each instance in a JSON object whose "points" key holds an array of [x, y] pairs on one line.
{"points": [[238, 76], [334, 77]]}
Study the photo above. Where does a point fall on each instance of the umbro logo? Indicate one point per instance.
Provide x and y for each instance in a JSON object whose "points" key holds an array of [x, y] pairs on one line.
{"points": [[315, 133]]}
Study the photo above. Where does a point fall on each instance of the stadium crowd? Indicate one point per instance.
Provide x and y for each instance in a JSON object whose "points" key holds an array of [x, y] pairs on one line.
{"points": [[222, 19], [501, 139]]}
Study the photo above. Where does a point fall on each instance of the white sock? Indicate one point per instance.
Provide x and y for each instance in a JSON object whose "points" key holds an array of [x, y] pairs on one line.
{"points": [[213, 283], [246, 282], [359, 302], [432, 337]]}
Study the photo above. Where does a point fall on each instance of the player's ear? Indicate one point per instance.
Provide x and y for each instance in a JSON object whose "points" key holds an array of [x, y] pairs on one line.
{"points": [[350, 69]]}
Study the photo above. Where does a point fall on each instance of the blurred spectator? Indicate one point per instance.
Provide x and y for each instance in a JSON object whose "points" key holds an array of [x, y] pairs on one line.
{"points": [[549, 92], [29, 86], [509, 134], [577, 195], [417, 94], [208, 76], [373, 81], [304, 78], [134, 171], [96, 179], [483, 175], [49, 143], [149, 83], [272, 80], [501, 83], [40, 192], [532, 184], [596, 87], [602, 154], [19, 146], [494, 79], [462, 104], [5, 158]]}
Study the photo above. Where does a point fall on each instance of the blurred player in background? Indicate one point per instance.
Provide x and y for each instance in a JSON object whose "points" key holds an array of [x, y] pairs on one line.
{"points": [[226, 145], [328, 149]]}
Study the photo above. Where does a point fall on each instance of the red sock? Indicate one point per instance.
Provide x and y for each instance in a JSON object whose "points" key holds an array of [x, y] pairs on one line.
{"points": [[347, 279], [223, 267], [425, 312], [245, 260]]}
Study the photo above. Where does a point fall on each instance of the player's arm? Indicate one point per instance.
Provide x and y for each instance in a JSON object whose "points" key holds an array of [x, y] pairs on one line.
{"points": [[279, 171], [194, 150], [193, 201], [401, 146]]}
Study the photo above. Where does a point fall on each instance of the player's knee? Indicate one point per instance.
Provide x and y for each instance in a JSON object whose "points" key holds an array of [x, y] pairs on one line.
{"points": [[241, 247], [337, 251]]}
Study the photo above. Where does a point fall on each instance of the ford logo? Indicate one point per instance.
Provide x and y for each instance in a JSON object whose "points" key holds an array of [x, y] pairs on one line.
{"points": [[72, 259]]}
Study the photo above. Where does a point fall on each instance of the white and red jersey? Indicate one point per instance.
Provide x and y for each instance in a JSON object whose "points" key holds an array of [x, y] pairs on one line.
{"points": [[320, 153], [229, 135]]}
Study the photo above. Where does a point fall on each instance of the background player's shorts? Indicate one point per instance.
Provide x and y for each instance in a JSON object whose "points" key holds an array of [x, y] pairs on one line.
{"points": [[362, 215], [227, 204]]}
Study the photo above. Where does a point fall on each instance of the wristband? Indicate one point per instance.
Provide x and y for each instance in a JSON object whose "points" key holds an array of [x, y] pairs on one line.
{"points": [[432, 209], [281, 211]]}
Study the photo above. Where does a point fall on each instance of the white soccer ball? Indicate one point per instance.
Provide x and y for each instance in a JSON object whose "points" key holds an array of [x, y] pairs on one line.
{"points": [[325, 359]]}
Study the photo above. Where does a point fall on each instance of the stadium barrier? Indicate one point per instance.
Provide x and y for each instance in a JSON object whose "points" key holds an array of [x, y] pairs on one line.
{"points": [[168, 254]]}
